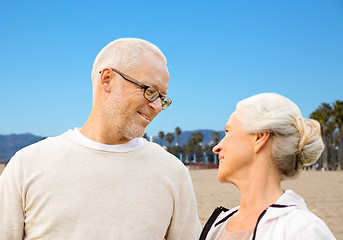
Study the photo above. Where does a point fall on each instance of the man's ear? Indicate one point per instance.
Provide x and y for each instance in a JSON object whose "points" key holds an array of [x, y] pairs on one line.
{"points": [[261, 140], [105, 79]]}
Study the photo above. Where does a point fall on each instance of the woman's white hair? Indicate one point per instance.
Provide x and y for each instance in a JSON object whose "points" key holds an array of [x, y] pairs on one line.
{"points": [[122, 54], [296, 142]]}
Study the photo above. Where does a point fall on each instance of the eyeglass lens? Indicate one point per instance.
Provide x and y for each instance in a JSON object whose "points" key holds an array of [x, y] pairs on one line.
{"points": [[151, 94]]}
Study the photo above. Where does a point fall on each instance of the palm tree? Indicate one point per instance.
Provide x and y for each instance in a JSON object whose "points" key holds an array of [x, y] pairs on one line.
{"points": [[195, 142], [177, 134], [161, 136], [329, 130], [196, 138], [215, 138], [330, 118], [338, 116], [323, 115], [169, 138]]}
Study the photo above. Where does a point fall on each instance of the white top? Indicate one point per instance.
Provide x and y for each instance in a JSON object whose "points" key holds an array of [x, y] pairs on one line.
{"points": [[61, 189], [226, 235], [77, 137], [288, 218]]}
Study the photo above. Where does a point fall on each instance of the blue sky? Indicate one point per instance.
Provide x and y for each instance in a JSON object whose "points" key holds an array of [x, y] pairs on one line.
{"points": [[218, 52]]}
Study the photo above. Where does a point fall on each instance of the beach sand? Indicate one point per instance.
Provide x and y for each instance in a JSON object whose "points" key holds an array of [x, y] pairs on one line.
{"points": [[322, 191], [2, 166]]}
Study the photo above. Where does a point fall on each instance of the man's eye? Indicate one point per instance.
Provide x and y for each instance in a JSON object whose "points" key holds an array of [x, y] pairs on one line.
{"points": [[150, 91]]}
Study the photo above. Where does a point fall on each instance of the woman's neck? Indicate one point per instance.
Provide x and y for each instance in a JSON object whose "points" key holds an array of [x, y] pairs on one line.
{"points": [[259, 190]]}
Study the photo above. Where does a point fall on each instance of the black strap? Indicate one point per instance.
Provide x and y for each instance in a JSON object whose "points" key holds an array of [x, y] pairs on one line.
{"points": [[210, 221], [258, 220], [281, 206], [225, 218]]}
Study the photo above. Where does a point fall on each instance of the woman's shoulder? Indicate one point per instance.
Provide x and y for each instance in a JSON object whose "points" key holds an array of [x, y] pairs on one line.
{"points": [[302, 222], [294, 216]]}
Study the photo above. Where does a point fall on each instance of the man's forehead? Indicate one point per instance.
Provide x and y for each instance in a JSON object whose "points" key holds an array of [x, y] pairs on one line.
{"points": [[157, 78]]}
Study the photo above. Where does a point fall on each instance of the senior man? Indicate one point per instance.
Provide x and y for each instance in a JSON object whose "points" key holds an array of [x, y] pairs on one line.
{"points": [[103, 180]]}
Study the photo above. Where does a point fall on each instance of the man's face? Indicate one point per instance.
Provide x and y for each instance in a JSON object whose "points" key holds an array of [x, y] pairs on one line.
{"points": [[129, 113]]}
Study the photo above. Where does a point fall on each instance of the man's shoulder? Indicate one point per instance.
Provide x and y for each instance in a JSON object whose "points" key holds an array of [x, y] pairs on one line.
{"points": [[47, 145], [37, 153], [156, 148], [163, 157]]}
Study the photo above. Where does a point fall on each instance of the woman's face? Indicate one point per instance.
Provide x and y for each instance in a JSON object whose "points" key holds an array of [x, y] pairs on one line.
{"points": [[235, 151]]}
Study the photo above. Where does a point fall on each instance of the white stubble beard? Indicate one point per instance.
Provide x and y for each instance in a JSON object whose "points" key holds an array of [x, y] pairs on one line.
{"points": [[119, 117]]}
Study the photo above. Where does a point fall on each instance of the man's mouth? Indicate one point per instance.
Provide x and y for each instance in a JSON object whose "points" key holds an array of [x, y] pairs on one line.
{"points": [[220, 160], [145, 116]]}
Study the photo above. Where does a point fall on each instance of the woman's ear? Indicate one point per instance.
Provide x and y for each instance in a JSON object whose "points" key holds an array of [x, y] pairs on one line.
{"points": [[261, 140], [105, 79]]}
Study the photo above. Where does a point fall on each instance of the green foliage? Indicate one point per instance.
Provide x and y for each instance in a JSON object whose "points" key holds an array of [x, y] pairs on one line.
{"points": [[169, 138], [330, 117], [161, 136], [177, 131], [215, 138], [177, 134], [196, 138]]}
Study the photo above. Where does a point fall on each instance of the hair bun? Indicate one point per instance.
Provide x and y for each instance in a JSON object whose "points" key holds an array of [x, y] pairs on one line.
{"points": [[310, 144]]}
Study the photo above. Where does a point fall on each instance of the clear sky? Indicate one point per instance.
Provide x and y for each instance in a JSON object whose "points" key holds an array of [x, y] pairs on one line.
{"points": [[218, 52]]}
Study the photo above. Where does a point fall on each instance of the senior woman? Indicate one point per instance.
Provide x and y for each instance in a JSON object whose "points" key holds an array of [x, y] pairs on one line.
{"points": [[266, 141]]}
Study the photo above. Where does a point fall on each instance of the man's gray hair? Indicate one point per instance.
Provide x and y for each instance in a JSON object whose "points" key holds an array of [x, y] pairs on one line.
{"points": [[122, 54], [296, 142]]}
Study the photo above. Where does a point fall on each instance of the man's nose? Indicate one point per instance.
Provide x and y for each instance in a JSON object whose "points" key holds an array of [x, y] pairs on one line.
{"points": [[156, 105]]}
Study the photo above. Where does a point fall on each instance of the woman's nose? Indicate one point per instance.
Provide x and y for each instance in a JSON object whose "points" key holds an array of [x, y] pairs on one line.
{"points": [[216, 149]]}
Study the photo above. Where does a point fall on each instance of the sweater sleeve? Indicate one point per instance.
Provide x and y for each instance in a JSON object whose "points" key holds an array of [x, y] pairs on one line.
{"points": [[185, 222], [11, 210]]}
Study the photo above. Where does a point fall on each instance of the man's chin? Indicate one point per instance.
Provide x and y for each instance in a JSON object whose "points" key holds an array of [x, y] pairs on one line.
{"points": [[136, 133]]}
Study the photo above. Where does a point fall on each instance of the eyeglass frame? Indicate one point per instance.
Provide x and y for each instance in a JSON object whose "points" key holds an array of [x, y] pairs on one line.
{"points": [[145, 87]]}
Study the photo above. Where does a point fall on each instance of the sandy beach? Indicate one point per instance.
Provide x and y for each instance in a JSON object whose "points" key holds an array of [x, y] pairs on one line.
{"points": [[2, 166], [322, 191]]}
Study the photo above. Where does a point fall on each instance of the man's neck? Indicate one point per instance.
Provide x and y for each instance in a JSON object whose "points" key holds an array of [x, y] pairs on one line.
{"points": [[99, 133]]}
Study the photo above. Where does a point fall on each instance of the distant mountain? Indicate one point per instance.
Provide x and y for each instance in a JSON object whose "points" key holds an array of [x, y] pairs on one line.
{"points": [[185, 135], [10, 144]]}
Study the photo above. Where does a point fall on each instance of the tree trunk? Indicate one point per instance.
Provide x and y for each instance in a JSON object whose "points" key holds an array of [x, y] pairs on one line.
{"points": [[340, 147], [324, 163], [325, 153]]}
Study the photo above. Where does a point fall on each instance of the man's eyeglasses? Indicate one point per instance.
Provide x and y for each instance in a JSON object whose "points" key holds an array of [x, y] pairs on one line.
{"points": [[150, 93]]}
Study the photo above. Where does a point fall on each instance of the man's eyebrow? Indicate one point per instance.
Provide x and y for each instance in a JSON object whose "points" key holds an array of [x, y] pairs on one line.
{"points": [[154, 86]]}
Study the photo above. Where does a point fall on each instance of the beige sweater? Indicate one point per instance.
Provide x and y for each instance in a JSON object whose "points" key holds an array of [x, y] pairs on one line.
{"points": [[58, 189]]}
